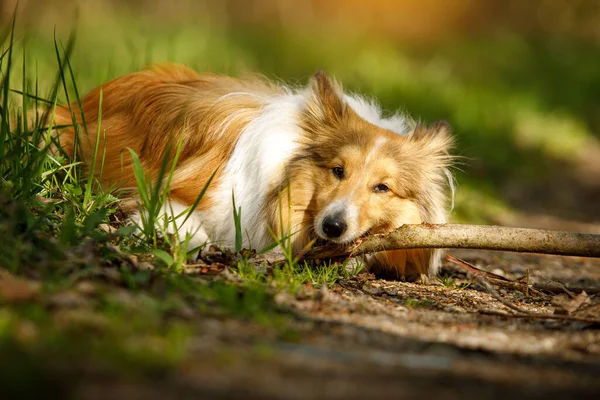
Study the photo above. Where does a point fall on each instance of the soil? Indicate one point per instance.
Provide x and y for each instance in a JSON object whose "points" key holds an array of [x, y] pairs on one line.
{"points": [[535, 334], [368, 338]]}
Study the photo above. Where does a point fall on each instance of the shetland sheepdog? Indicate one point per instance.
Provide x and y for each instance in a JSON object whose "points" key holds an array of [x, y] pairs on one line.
{"points": [[311, 162]]}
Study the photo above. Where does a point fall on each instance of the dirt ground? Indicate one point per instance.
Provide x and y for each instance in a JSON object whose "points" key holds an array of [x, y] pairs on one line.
{"points": [[529, 329], [369, 338], [531, 332]]}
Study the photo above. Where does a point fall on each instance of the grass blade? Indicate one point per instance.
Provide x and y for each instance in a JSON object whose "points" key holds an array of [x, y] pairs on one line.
{"points": [[237, 219], [91, 178]]}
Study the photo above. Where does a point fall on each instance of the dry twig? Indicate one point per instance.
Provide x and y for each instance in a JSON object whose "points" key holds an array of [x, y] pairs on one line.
{"points": [[497, 279]]}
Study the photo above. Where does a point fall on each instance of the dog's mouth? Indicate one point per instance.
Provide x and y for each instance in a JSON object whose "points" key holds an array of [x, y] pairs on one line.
{"points": [[322, 242]]}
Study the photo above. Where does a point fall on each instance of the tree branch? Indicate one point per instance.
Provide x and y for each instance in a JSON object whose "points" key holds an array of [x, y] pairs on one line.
{"points": [[468, 237]]}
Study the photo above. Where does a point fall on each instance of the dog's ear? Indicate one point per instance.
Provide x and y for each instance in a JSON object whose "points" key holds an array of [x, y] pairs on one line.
{"points": [[423, 131], [426, 162], [434, 138], [326, 103]]}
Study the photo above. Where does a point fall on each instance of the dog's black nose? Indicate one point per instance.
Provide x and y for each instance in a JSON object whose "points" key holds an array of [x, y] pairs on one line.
{"points": [[334, 225]]}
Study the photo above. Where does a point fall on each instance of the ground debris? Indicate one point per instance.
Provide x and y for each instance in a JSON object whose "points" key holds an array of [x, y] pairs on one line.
{"points": [[14, 289], [568, 305], [389, 336], [67, 299]]}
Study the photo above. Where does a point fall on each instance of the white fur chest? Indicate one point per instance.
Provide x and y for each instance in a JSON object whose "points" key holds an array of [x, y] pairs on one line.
{"points": [[256, 164]]}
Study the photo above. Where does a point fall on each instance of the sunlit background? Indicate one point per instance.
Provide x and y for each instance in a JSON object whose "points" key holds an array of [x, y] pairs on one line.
{"points": [[519, 81]]}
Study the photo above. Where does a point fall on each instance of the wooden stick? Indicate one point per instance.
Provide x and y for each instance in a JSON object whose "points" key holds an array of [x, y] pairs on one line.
{"points": [[468, 237]]}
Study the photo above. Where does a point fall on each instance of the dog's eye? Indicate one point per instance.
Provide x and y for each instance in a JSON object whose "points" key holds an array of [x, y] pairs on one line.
{"points": [[338, 171], [381, 188]]}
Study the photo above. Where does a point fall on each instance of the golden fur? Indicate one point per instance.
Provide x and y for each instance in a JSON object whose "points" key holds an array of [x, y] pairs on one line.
{"points": [[149, 110]]}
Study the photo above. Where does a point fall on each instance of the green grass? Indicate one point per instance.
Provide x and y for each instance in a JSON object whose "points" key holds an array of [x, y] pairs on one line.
{"points": [[449, 282], [521, 109], [417, 303]]}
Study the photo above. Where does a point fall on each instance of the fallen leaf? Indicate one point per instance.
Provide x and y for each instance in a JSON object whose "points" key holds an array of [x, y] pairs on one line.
{"points": [[566, 305], [14, 289], [107, 228]]}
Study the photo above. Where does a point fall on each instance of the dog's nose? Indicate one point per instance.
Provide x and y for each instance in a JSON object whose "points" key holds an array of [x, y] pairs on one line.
{"points": [[334, 225]]}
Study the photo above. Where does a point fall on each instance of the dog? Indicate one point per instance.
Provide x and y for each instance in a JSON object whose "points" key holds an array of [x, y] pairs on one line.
{"points": [[303, 163]]}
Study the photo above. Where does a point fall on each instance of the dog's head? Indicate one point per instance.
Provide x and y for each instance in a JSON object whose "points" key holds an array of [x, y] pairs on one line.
{"points": [[367, 178]]}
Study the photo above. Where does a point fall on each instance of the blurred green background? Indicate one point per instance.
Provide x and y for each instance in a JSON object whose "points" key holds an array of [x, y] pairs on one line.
{"points": [[519, 81]]}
